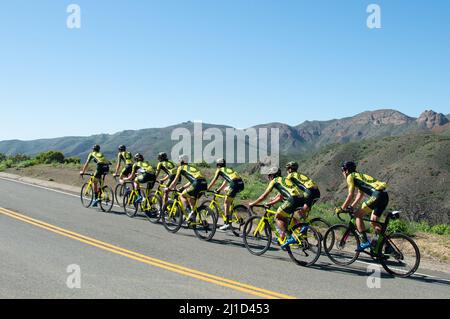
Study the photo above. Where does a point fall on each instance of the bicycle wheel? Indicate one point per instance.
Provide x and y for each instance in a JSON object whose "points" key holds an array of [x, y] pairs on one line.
{"points": [[129, 207], [107, 199], [257, 235], [340, 244], [171, 217], [205, 223], [320, 225], [400, 255], [153, 209], [87, 195], [307, 251], [240, 216], [120, 192]]}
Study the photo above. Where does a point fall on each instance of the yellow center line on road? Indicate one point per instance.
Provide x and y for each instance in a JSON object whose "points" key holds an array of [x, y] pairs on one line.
{"points": [[252, 290]]}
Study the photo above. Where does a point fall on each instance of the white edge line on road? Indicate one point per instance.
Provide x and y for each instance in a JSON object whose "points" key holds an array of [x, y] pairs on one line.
{"points": [[77, 196]]}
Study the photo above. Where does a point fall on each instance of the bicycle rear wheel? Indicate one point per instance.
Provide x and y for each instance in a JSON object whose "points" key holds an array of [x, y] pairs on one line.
{"points": [[120, 191], [171, 217], [400, 255], [340, 244], [129, 207], [240, 216], [257, 235], [107, 199], [87, 195], [153, 209], [320, 225], [307, 251], [205, 223]]}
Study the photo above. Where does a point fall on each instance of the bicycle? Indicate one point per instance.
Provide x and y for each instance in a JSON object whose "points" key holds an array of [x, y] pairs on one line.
{"points": [[174, 213], [392, 250], [239, 214], [151, 203], [106, 194], [121, 190], [258, 237]]}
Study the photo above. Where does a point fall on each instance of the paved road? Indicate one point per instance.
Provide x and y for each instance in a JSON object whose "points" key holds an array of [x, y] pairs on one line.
{"points": [[43, 232]]}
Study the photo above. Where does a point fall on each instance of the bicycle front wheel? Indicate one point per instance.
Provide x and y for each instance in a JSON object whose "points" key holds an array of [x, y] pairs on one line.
{"points": [[257, 235], [129, 207], [240, 216], [87, 195], [107, 199], [205, 223], [400, 255], [153, 208], [171, 217], [120, 191], [340, 244], [307, 251]]}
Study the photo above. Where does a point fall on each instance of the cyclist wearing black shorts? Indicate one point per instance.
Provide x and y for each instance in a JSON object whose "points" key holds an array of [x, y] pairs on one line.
{"points": [[236, 185], [102, 169], [127, 159], [168, 167], [141, 173]]}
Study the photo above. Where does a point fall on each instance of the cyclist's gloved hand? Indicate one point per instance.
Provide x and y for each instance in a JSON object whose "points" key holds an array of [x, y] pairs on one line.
{"points": [[339, 210], [349, 209]]}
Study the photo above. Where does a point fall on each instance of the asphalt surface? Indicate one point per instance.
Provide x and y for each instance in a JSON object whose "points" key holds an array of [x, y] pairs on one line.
{"points": [[129, 258]]}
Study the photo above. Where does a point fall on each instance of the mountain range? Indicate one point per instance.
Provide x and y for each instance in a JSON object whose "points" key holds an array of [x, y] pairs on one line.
{"points": [[294, 140]]}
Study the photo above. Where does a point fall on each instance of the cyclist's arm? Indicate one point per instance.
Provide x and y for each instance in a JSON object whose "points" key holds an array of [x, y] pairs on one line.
{"points": [[118, 164], [214, 181], [358, 199], [351, 192], [85, 167], [176, 179], [222, 186], [132, 175], [263, 196], [158, 170], [275, 200]]}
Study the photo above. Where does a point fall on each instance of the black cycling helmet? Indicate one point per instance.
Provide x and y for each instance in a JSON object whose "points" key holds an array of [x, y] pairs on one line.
{"points": [[122, 148], [274, 172], [292, 166], [162, 157], [96, 148], [349, 166], [139, 157], [221, 162]]}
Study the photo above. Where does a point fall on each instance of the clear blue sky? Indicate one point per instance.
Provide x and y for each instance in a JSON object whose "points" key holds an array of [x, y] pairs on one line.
{"points": [[139, 64]]}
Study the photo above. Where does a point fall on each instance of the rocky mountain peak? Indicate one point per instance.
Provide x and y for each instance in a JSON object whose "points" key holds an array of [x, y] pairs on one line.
{"points": [[381, 117], [431, 119]]}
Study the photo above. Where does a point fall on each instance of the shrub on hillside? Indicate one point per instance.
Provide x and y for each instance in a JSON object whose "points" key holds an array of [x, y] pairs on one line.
{"points": [[50, 157], [3, 157], [72, 160], [441, 229], [19, 158]]}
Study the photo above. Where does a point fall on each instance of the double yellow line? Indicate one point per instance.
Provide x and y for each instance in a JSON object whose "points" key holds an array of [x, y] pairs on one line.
{"points": [[252, 290]]}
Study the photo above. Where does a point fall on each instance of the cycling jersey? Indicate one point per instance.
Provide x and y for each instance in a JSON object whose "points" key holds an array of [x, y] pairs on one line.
{"points": [[365, 183], [301, 181], [191, 173], [98, 158], [142, 168], [167, 167], [227, 173], [285, 187], [126, 157]]}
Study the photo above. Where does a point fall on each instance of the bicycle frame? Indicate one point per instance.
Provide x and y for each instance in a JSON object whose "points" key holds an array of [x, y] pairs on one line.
{"points": [[177, 202], [215, 203]]}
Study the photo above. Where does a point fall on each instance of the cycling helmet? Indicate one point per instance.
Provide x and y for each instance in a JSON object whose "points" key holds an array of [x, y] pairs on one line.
{"points": [[349, 166], [96, 148], [292, 166], [221, 162], [162, 157], [183, 159], [122, 148], [274, 171], [139, 157]]}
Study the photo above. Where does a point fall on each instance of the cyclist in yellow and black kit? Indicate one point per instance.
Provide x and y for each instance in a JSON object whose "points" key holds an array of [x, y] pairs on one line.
{"points": [[376, 204], [141, 173], [195, 187], [291, 196], [236, 185], [102, 169], [127, 159], [306, 185], [168, 167]]}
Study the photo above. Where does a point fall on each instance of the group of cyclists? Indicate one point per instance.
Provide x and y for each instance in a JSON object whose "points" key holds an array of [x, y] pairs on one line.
{"points": [[297, 193]]}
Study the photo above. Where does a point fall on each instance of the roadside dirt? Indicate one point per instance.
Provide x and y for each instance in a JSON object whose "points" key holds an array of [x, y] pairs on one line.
{"points": [[435, 249]]}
